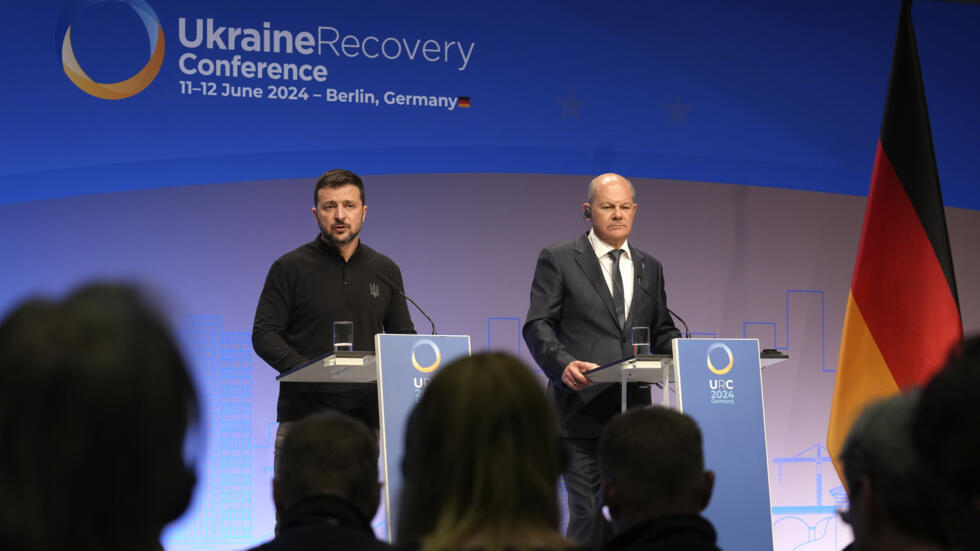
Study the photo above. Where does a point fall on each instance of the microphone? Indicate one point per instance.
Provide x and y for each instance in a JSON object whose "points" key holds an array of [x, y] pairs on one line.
{"points": [[639, 281], [687, 332], [399, 290]]}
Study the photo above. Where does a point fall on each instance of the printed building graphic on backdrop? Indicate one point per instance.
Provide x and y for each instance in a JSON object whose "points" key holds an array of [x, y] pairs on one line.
{"points": [[804, 509], [814, 525], [223, 360]]}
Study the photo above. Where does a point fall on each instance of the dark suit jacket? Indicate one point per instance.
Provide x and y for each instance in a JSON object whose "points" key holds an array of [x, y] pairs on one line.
{"points": [[571, 317]]}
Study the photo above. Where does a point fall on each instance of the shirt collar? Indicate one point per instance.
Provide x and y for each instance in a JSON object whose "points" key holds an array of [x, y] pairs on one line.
{"points": [[332, 250], [325, 509], [602, 248]]}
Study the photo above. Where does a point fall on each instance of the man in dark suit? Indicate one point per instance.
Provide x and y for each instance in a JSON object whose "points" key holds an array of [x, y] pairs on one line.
{"points": [[586, 296]]}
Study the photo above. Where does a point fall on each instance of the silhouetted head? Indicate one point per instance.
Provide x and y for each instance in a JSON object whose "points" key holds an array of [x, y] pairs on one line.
{"points": [[329, 454], [946, 431], [482, 459], [651, 463], [95, 404], [893, 497]]}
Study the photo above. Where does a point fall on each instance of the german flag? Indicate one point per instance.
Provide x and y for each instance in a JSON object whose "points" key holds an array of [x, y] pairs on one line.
{"points": [[902, 311], [464, 102]]}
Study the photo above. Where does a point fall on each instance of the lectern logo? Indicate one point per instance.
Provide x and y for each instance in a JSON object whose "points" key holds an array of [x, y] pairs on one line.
{"points": [[727, 355], [722, 390], [433, 350], [111, 90]]}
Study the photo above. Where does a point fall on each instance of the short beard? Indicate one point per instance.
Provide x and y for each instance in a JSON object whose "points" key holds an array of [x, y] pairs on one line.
{"points": [[331, 239]]}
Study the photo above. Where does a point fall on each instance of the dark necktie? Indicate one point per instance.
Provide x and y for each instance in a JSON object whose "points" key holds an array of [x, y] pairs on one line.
{"points": [[619, 297]]}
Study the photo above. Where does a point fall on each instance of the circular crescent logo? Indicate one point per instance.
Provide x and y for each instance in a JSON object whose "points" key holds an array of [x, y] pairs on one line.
{"points": [[731, 359], [435, 349], [112, 90]]}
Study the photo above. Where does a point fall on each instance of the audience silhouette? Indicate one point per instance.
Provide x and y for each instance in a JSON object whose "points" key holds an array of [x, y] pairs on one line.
{"points": [[482, 461], [654, 484], [95, 405]]}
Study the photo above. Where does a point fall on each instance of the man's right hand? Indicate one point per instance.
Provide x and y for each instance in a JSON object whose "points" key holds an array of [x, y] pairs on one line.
{"points": [[574, 375]]}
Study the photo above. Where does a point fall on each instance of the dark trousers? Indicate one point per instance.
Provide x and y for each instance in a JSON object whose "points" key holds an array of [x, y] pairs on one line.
{"points": [[586, 524], [281, 433]]}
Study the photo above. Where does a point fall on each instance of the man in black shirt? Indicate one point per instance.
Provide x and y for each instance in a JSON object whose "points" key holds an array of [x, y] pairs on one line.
{"points": [[333, 278]]}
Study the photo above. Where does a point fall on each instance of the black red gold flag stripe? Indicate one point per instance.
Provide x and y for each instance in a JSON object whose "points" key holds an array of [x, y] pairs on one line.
{"points": [[902, 312]]}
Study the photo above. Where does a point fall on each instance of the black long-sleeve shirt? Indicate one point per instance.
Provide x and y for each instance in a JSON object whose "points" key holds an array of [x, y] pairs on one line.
{"points": [[309, 288]]}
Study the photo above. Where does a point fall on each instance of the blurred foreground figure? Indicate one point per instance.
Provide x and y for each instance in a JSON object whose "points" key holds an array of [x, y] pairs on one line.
{"points": [[482, 461], [95, 404], [894, 498], [326, 490], [654, 483], [946, 430]]}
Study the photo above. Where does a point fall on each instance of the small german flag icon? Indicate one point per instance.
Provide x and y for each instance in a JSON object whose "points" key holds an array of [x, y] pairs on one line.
{"points": [[464, 102]]}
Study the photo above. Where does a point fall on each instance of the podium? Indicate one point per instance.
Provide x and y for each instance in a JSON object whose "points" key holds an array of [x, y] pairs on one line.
{"points": [[642, 368], [659, 369], [402, 369], [336, 367], [718, 382]]}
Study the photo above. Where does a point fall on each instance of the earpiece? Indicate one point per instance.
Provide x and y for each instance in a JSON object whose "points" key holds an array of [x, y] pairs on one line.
{"points": [[588, 212], [606, 514]]}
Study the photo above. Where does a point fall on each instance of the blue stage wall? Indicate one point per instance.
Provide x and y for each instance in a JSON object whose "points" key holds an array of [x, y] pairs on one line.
{"points": [[749, 130]]}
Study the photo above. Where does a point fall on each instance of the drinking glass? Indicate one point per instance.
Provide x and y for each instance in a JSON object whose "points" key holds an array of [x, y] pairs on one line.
{"points": [[641, 340], [343, 336]]}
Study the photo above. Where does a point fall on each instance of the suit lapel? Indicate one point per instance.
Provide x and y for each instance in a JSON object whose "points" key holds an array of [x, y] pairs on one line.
{"points": [[587, 261]]}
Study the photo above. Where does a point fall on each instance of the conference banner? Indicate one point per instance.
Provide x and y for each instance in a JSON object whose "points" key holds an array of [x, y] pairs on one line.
{"points": [[176, 144]]}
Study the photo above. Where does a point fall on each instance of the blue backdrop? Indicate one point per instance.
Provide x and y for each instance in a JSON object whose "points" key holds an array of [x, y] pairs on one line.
{"points": [[748, 128], [760, 93]]}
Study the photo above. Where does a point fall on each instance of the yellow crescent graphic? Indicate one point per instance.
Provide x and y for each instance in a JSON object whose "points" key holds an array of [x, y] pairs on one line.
{"points": [[731, 359], [435, 364], [125, 88]]}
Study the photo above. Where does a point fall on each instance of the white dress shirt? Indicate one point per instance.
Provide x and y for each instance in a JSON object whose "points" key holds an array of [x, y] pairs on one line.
{"points": [[625, 268]]}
